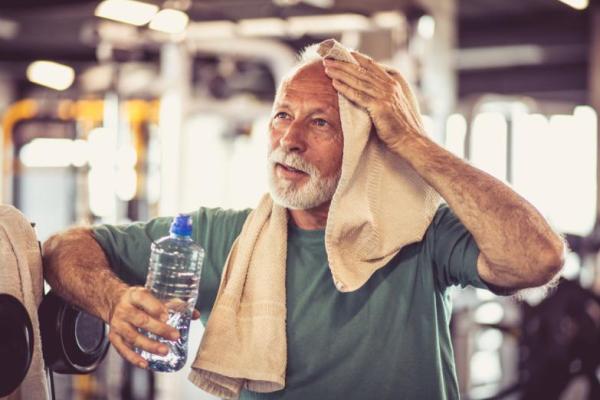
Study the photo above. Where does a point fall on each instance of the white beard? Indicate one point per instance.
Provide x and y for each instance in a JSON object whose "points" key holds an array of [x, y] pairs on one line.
{"points": [[307, 195]]}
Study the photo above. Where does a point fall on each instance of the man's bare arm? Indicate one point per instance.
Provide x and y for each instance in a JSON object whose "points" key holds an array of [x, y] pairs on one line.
{"points": [[76, 267], [518, 247]]}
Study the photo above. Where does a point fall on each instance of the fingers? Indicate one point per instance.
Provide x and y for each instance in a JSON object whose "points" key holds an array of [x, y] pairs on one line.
{"points": [[142, 298], [371, 65], [356, 71], [125, 351], [130, 337], [356, 96], [139, 309], [347, 82], [387, 74], [127, 311], [361, 58], [351, 80], [150, 314], [140, 319], [383, 71], [406, 89], [125, 337], [135, 339]]}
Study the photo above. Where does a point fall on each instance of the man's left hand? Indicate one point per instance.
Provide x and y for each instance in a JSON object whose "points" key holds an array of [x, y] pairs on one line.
{"points": [[382, 92]]}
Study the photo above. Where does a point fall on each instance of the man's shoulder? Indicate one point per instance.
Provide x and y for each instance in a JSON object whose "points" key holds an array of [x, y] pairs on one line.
{"points": [[203, 217], [219, 221], [222, 215]]}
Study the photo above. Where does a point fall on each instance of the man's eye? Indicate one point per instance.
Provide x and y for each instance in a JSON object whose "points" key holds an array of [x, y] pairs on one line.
{"points": [[281, 115], [320, 122]]}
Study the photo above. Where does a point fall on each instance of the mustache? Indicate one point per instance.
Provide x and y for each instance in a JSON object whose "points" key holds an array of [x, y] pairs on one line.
{"points": [[292, 160]]}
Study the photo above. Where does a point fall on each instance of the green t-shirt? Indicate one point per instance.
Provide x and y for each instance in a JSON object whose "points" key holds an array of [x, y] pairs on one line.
{"points": [[388, 340]]}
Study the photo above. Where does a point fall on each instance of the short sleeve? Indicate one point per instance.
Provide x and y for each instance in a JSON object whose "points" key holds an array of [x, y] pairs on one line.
{"points": [[454, 251], [127, 247]]}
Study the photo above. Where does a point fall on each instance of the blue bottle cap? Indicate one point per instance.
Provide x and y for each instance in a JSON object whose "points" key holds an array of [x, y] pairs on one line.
{"points": [[181, 225]]}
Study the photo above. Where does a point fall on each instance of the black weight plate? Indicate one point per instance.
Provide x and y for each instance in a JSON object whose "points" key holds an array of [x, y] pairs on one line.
{"points": [[74, 342], [16, 343]]}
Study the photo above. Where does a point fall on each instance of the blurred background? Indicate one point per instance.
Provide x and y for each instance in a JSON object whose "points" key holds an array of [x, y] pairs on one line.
{"points": [[120, 110]]}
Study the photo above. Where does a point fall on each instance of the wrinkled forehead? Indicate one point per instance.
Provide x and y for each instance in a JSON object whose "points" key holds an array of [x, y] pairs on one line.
{"points": [[311, 81]]}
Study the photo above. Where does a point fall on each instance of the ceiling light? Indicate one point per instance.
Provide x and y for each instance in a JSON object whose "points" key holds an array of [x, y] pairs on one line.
{"points": [[8, 29], [53, 75], [286, 3], [128, 11], [315, 3], [170, 21], [576, 4], [47, 153], [320, 3], [426, 26], [321, 24], [389, 19], [262, 27], [211, 30]]}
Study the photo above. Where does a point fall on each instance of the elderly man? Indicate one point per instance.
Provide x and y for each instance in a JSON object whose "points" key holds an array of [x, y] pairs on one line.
{"points": [[390, 338]]}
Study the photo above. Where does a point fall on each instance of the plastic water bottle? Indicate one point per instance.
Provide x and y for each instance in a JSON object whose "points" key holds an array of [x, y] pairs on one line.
{"points": [[174, 277]]}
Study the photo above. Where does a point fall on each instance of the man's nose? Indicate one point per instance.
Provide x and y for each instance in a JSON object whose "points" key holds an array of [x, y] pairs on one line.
{"points": [[293, 138]]}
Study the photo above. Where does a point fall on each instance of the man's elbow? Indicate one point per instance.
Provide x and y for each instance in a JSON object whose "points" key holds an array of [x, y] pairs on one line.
{"points": [[49, 246], [65, 241], [52, 245], [67, 236], [550, 264]]}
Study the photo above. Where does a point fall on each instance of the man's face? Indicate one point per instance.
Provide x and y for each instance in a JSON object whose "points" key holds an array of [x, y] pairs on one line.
{"points": [[306, 141]]}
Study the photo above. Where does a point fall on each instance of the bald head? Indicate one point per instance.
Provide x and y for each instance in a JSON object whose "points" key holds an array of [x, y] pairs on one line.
{"points": [[313, 74], [309, 80]]}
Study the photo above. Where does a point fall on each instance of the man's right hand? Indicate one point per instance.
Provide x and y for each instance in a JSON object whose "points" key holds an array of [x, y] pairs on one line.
{"points": [[137, 308], [78, 270]]}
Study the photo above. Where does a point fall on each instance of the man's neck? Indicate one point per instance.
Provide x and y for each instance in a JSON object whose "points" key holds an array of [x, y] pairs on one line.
{"points": [[311, 219]]}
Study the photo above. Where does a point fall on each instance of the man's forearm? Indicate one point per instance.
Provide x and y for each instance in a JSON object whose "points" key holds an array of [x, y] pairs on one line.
{"points": [[77, 269], [509, 231], [516, 243]]}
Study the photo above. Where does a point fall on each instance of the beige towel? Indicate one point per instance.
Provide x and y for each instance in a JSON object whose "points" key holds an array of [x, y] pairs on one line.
{"points": [[21, 272], [380, 206]]}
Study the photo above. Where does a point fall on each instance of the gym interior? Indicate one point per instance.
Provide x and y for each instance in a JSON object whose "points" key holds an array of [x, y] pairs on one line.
{"points": [[118, 111]]}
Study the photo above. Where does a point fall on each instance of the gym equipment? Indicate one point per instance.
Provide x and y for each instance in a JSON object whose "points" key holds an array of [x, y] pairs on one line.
{"points": [[16, 343], [73, 341], [559, 341]]}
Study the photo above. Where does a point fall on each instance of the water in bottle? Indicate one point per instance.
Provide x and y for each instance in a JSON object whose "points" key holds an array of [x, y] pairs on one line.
{"points": [[174, 277]]}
